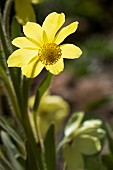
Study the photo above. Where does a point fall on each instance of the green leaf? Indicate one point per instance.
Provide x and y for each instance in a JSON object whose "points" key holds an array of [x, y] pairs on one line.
{"points": [[108, 161], [15, 29], [6, 15], [5, 164], [4, 40], [94, 163], [30, 162], [73, 123], [8, 73], [10, 150], [24, 11], [41, 90], [4, 125], [50, 151], [16, 32], [87, 144], [110, 136], [73, 158], [10, 93], [33, 153], [3, 168], [1, 57]]}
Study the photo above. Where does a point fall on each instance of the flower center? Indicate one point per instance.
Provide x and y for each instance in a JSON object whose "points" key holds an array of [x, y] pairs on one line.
{"points": [[49, 53]]}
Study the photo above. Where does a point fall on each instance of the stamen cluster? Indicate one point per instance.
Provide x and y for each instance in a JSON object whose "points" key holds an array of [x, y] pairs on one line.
{"points": [[49, 53]]}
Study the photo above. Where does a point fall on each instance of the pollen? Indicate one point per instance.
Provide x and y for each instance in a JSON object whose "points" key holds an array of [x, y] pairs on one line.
{"points": [[49, 53]]}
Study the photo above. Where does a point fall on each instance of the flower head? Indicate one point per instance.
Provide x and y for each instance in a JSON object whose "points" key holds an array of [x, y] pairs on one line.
{"points": [[40, 48], [81, 138], [52, 109]]}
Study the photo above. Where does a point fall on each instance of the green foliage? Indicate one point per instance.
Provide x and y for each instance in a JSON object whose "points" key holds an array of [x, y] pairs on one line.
{"points": [[24, 11], [81, 138], [11, 151], [83, 141], [108, 160], [94, 162], [50, 152], [13, 134]]}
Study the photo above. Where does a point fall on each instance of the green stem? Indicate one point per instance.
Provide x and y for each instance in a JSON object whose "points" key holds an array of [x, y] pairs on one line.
{"points": [[4, 40], [37, 129], [41, 90], [25, 89], [64, 166], [6, 17], [6, 47], [2, 63], [31, 141], [10, 92], [42, 146], [1, 108], [27, 125], [40, 139]]}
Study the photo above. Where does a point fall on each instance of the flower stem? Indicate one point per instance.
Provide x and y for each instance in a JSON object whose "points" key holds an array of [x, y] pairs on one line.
{"points": [[3, 38], [64, 166], [27, 125], [11, 94], [31, 142], [6, 51], [6, 17]]}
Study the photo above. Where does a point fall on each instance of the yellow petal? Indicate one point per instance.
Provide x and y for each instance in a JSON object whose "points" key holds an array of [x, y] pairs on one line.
{"points": [[34, 31], [23, 42], [33, 68], [52, 24], [45, 39], [36, 1], [24, 11], [65, 32], [57, 67], [21, 57], [70, 51]]}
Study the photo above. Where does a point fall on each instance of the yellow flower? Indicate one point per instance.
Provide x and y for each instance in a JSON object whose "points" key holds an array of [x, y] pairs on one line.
{"points": [[53, 109], [40, 48]]}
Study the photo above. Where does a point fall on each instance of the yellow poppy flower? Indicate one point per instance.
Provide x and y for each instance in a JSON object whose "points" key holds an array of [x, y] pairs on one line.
{"points": [[40, 48]]}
